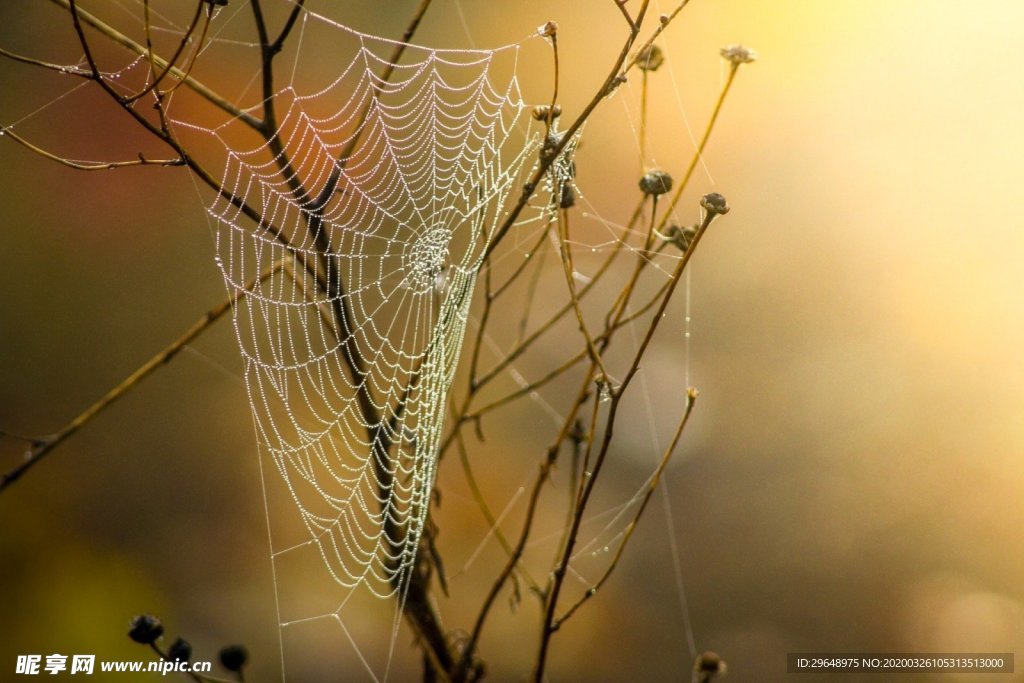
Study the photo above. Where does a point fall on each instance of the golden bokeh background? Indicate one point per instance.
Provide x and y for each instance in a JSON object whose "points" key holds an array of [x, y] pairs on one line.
{"points": [[853, 479]]}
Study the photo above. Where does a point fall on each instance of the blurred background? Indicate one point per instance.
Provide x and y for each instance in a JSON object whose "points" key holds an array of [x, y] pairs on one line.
{"points": [[852, 478]]}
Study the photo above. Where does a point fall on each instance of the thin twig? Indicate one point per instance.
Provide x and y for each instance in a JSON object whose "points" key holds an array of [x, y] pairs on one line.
{"points": [[45, 446], [643, 118], [155, 83], [289, 24], [81, 166], [607, 88], [588, 483], [733, 68], [662, 25], [59, 68], [485, 509], [543, 473], [569, 269], [205, 92], [691, 397], [159, 132], [621, 4]]}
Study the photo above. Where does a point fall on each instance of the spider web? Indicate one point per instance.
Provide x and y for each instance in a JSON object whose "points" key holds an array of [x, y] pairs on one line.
{"points": [[377, 198]]}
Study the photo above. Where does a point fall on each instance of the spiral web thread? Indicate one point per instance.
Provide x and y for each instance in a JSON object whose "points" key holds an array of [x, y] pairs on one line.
{"points": [[350, 346]]}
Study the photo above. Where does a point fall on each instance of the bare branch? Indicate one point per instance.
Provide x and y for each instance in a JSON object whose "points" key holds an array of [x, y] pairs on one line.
{"points": [[59, 68], [45, 446], [588, 482], [610, 83], [664, 22], [155, 83], [289, 24], [691, 398], [82, 166], [733, 68], [200, 89]]}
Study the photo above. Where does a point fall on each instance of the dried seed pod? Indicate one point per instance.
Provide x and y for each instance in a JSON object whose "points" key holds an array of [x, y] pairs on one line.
{"points": [[650, 58], [145, 629], [542, 112], [714, 203], [234, 657], [680, 237], [709, 664], [547, 30], [180, 651], [737, 54], [655, 182], [568, 198]]}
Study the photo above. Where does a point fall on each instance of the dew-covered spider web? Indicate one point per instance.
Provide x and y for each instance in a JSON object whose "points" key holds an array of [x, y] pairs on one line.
{"points": [[378, 194]]}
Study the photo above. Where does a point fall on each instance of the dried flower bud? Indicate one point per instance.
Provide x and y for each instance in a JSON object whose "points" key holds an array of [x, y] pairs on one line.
{"points": [[655, 183], [663, 19], [548, 30], [714, 203], [681, 237], [542, 112], [650, 58], [180, 651], [568, 198], [145, 629], [709, 664], [737, 54], [234, 657]]}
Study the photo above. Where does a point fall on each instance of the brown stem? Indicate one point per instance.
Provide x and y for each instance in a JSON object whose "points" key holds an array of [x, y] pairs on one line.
{"points": [[46, 446], [123, 40], [691, 397], [587, 486], [80, 166]]}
